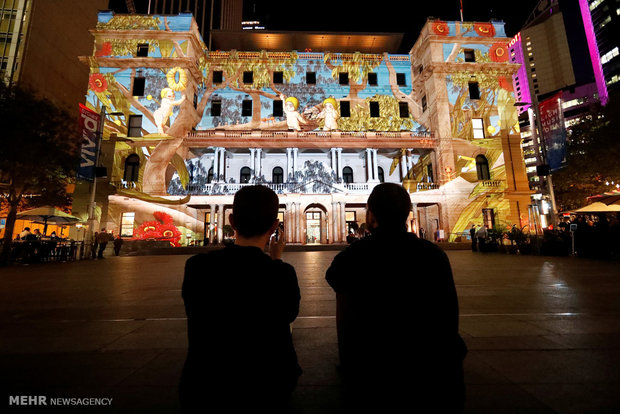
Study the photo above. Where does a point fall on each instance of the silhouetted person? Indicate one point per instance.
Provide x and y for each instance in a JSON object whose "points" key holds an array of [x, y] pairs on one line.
{"points": [[118, 244], [472, 234], [397, 316], [239, 303], [102, 240]]}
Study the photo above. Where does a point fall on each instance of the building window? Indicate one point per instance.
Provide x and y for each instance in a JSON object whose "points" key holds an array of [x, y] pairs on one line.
{"points": [[470, 55], [477, 125], [345, 109], [135, 126], [143, 50], [347, 175], [210, 175], [244, 175], [311, 78], [132, 168], [482, 168], [248, 77], [246, 107], [127, 220], [403, 109], [401, 79], [277, 175], [218, 76], [278, 108], [424, 103], [474, 90], [216, 107], [138, 86], [278, 77], [381, 175], [372, 79], [343, 78], [374, 109]]}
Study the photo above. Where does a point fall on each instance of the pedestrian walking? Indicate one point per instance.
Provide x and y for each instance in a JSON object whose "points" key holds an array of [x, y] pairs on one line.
{"points": [[482, 234], [102, 240], [472, 235], [397, 319], [118, 244]]}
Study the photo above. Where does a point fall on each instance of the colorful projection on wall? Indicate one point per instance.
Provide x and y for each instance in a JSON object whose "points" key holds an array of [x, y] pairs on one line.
{"points": [[162, 228]]}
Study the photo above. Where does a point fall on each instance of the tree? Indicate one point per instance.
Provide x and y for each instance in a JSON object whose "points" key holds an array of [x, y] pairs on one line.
{"points": [[39, 154], [593, 155]]}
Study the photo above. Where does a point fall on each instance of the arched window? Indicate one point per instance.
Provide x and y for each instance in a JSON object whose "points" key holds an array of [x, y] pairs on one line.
{"points": [[277, 175], [347, 175], [381, 175], [482, 168], [245, 175], [132, 168], [210, 175]]}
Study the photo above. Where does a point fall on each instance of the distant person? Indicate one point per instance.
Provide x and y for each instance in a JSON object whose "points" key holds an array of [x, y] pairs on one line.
{"points": [[472, 235], [397, 316], [95, 245], [482, 234], [422, 233], [239, 304], [118, 244], [24, 233], [37, 234], [102, 240]]}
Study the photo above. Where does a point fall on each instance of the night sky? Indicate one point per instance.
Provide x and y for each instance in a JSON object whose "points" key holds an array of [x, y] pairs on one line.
{"points": [[376, 16]]}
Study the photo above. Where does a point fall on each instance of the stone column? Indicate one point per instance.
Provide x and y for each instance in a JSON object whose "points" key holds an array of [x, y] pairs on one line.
{"points": [[403, 166], [216, 165], [288, 225], [289, 165], [409, 160], [339, 162], [295, 166], [252, 162], [333, 223], [298, 220], [220, 223], [375, 165], [369, 176], [332, 153], [223, 164], [259, 162], [343, 222], [211, 235]]}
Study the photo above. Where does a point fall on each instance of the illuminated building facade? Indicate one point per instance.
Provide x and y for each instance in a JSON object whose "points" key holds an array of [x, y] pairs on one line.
{"points": [[192, 126]]}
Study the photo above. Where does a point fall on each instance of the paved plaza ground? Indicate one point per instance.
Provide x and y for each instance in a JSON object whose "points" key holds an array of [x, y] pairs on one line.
{"points": [[543, 333]]}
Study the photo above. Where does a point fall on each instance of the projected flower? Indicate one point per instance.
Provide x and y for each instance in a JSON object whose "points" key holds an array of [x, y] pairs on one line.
{"points": [[484, 29], [106, 49], [162, 228], [499, 52], [440, 28], [97, 82]]}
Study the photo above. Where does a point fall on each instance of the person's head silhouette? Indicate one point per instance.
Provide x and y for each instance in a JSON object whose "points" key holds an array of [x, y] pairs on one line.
{"points": [[255, 211], [388, 207]]}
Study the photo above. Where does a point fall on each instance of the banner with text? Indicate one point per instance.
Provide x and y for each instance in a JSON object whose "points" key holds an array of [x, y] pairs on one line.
{"points": [[89, 125], [553, 131]]}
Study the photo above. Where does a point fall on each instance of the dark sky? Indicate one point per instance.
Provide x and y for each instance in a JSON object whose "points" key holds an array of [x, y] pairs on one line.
{"points": [[375, 15]]}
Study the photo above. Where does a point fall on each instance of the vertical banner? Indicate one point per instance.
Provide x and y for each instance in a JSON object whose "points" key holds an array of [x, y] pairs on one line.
{"points": [[89, 125], [553, 131]]}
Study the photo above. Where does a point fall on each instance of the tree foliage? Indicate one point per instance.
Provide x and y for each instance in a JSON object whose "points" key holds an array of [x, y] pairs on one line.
{"points": [[39, 153], [593, 157]]}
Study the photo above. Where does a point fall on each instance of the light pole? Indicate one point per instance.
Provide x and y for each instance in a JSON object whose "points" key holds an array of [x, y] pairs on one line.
{"points": [[542, 149]]}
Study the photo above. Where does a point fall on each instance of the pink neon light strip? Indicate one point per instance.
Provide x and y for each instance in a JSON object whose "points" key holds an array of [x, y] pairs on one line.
{"points": [[595, 57]]}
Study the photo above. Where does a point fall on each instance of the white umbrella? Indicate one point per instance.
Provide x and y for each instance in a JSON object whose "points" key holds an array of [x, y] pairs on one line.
{"points": [[47, 215], [598, 207]]}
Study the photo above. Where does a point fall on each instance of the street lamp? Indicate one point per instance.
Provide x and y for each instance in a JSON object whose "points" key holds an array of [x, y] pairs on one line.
{"points": [[540, 142]]}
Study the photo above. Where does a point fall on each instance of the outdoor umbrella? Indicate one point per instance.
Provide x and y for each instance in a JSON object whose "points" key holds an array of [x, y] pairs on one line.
{"points": [[612, 197], [47, 215], [598, 207]]}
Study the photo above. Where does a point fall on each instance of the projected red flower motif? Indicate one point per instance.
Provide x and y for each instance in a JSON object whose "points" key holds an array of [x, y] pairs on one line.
{"points": [[162, 228], [499, 52], [106, 49], [484, 29], [440, 28], [97, 82], [505, 83]]}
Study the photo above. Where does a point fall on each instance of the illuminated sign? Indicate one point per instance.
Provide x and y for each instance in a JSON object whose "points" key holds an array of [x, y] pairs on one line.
{"points": [[514, 40], [89, 125]]}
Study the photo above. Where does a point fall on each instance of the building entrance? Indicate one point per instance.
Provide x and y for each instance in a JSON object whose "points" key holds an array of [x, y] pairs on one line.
{"points": [[313, 227]]}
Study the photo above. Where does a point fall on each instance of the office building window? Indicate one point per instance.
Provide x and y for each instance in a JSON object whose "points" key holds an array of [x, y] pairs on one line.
{"points": [[135, 126], [403, 109], [343, 78], [246, 107], [374, 109], [311, 78], [401, 80], [474, 90], [477, 125], [244, 175], [345, 109], [218, 76], [248, 77], [127, 220], [138, 86], [470, 55], [132, 168], [482, 168], [278, 77], [143, 50], [278, 108], [277, 175], [381, 175], [347, 175], [216, 107], [372, 79]]}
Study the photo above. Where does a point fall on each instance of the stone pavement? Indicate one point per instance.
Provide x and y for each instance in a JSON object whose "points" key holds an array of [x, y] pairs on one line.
{"points": [[543, 333]]}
